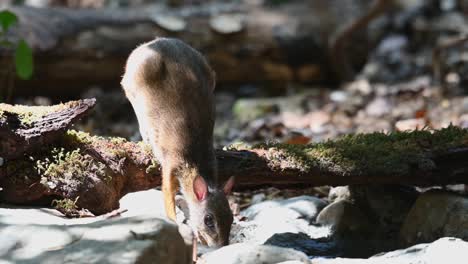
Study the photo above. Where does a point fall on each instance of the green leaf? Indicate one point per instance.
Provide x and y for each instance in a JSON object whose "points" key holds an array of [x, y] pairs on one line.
{"points": [[7, 19], [23, 60]]}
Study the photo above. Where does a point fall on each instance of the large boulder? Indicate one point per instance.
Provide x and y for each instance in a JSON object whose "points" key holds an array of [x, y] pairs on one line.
{"points": [[436, 214], [42, 236]]}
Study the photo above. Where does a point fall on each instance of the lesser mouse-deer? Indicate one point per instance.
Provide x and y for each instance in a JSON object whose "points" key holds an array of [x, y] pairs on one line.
{"points": [[170, 86]]}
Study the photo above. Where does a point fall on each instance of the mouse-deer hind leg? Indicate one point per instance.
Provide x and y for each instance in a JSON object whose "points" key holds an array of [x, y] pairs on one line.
{"points": [[169, 188]]}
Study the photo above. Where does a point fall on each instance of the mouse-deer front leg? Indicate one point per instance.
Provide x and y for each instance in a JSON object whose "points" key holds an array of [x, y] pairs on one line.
{"points": [[169, 188]]}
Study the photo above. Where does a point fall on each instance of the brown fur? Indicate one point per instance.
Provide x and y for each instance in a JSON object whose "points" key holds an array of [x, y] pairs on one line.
{"points": [[170, 86]]}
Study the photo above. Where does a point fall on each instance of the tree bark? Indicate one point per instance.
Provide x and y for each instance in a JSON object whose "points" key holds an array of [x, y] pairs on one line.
{"points": [[99, 171]]}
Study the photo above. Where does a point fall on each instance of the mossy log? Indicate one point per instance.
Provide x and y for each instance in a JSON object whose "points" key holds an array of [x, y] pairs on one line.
{"points": [[24, 128], [96, 171]]}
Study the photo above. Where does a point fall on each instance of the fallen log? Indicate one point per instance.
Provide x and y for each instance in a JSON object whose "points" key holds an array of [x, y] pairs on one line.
{"points": [[78, 48], [23, 128], [96, 171]]}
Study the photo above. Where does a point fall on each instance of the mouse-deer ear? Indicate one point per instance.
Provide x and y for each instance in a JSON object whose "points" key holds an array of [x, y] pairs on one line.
{"points": [[200, 188], [227, 188]]}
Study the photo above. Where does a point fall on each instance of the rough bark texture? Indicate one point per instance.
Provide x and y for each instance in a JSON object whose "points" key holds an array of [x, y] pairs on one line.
{"points": [[244, 44], [21, 132], [98, 171]]}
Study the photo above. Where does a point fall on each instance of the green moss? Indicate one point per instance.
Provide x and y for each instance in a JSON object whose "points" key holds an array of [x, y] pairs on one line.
{"points": [[79, 137], [117, 140], [238, 146], [394, 154], [28, 114], [113, 146], [145, 147], [65, 204], [153, 167], [68, 168]]}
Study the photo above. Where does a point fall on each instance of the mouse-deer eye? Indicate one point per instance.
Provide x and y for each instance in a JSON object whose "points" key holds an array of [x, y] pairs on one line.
{"points": [[209, 220]]}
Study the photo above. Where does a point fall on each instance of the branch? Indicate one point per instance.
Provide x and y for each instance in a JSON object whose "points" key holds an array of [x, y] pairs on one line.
{"points": [[101, 170]]}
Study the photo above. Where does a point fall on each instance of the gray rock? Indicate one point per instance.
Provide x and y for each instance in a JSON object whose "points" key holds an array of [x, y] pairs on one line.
{"points": [[444, 250], [304, 243], [244, 253], [338, 96], [149, 202], [436, 214], [264, 220], [368, 218], [345, 219], [392, 43], [293, 262], [123, 240], [140, 234], [304, 206], [387, 205], [379, 107], [339, 193]]}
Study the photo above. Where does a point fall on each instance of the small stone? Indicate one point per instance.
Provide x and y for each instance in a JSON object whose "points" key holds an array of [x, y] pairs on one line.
{"points": [[339, 193], [244, 253], [345, 219], [379, 107], [463, 121], [2, 161], [360, 86], [170, 23], [317, 120], [392, 43], [338, 96], [314, 120], [227, 23], [410, 124], [452, 78]]}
